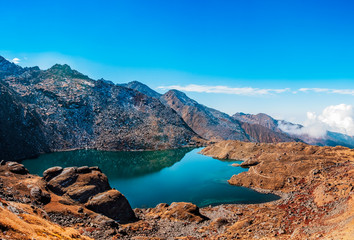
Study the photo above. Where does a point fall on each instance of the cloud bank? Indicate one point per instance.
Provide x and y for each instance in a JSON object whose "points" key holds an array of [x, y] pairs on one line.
{"points": [[224, 89], [328, 90], [335, 118]]}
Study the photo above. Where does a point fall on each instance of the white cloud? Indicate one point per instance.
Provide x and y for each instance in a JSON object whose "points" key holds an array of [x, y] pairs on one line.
{"points": [[339, 118], [16, 60], [224, 89], [328, 90], [336, 118]]}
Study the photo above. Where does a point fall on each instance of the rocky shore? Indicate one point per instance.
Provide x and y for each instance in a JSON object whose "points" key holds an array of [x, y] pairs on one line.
{"points": [[316, 184]]}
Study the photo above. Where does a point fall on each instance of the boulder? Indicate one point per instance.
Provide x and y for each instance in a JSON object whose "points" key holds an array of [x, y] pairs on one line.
{"points": [[78, 183], [112, 204], [88, 185], [178, 211], [61, 182], [82, 194], [51, 173], [84, 169], [40, 196], [17, 168]]}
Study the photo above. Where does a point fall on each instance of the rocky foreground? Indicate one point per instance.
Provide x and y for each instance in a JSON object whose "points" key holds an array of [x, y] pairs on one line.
{"points": [[316, 185]]}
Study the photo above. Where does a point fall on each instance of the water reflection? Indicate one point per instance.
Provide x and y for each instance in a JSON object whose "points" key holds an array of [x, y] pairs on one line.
{"points": [[113, 164]]}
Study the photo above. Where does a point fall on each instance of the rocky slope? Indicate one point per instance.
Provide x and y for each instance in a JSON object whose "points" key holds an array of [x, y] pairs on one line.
{"points": [[265, 135], [78, 112], [263, 120], [285, 129], [210, 123], [316, 184], [22, 133], [215, 125], [207, 122]]}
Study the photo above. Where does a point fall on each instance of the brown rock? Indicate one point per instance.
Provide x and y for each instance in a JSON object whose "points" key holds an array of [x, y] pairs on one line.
{"points": [[66, 178], [249, 163], [51, 172], [178, 211], [17, 168], [40, 196], [112, 204], [82, 194], [84, 169], [79, 183]]}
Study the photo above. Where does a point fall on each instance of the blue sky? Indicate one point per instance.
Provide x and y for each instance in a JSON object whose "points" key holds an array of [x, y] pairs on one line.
{"points": [[264, 53]]}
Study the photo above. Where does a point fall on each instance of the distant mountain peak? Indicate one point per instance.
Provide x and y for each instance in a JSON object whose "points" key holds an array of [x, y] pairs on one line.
{"points": [[141, 87], [181, 96], [177, 92], [8, 68], [135, 82], [263, 115], [63, 67], [64, 70]]}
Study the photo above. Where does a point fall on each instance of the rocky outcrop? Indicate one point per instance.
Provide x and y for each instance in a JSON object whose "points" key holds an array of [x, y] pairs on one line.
{"points": [[90, 186], [70, 196], [113, 205], [17, 168], [177, 211], [60, 108], [77, 184]]}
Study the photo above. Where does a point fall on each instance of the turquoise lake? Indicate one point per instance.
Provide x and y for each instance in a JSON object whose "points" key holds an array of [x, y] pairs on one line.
{"points": [[148, 178]]}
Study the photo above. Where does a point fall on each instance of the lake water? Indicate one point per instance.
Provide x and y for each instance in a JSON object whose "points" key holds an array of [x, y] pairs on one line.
{"points": [[151, 177]]}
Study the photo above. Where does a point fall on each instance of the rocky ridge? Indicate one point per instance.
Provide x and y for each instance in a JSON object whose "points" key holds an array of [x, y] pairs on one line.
{"points": [[140, 87], [212, 124], [74, 111]]}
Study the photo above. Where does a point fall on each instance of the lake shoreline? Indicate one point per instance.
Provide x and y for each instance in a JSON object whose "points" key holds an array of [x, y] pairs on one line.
{"points": [[315, 182], [134, 172]]}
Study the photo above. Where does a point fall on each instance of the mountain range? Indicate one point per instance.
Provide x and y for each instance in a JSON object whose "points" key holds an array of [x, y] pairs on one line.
{"points": [[61, 109], [214, 125]]}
